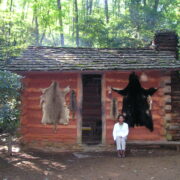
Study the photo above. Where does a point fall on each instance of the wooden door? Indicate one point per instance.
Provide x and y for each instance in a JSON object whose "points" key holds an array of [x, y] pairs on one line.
{"points": [[91, 110]]}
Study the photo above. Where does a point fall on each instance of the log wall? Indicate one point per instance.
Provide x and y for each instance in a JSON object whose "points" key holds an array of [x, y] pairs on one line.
{"points": [[31, 127], [120, 80], [173, 124], [32, 130]]}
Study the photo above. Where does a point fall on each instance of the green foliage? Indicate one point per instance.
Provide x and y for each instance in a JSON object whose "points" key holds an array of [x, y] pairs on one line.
{"points": [[10, 86], [132, 23], [94, 32], [13, 35], [9, 121]]}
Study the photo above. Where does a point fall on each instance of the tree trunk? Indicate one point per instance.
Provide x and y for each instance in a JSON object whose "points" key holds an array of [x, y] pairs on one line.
{"points": [[9, 29], [23, 11], [114, 7], [154, 15], [42, 37], [156, 3], [106, 10], [117, 7], [83, 12], [9, 144], [76, 22], [144, 2], [36, 30], [54, 40], [35, 20], [87, 7], [90, 7], [11, 5], [60, 22]]}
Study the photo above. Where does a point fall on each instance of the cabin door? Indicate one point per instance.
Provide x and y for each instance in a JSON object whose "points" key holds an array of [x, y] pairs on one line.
{"points": [[91, 110]]}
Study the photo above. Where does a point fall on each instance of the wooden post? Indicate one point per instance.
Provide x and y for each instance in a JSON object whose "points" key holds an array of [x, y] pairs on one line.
{"points": [[79, 110]]}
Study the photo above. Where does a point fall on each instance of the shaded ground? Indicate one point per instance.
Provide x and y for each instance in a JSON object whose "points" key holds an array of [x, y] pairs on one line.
{"points": [[156, 164]]}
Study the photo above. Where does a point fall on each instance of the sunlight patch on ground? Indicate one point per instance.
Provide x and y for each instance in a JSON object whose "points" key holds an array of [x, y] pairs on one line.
{"points": [[29, 165], [54, 164], [2, 148], [81, 155], [28, 156], [14, 148]]}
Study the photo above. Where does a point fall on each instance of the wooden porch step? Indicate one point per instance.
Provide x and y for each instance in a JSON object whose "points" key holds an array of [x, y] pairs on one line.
{"points": [[132, 145], [175, 144]]}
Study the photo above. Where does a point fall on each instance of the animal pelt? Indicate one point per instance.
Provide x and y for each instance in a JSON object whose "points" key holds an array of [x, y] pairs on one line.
{"points": [[136, 106], [114, 108], [53, 105], [73, 103]]}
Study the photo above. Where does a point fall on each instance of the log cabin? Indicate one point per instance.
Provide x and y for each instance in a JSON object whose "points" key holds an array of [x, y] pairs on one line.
{"points": [[91, 107]]}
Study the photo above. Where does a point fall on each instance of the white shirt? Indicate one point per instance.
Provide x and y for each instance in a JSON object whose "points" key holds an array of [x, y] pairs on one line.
{"points": [[121, 130]]}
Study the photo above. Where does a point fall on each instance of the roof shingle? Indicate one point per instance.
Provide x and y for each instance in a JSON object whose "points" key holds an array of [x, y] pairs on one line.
{"points": [[60, 59]]}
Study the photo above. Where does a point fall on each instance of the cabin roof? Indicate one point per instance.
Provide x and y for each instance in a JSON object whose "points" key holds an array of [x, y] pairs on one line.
{"points": [[62, 59]]}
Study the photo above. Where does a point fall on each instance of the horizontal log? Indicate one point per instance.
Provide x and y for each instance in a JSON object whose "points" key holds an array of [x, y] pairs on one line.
{"points": [[35, 91], [147, 138], [52, 132], [174, 120], [173, 126], [73, 85], [137, 137], [117, 75], [49, 138], [167, 89], [119, 85], [116, 80], [173, 132], [50, 74], [118, 97], [34, 108], [35, 104], [139, 129], [71, 125], [45, 80], [122, 84], [37, 121]]}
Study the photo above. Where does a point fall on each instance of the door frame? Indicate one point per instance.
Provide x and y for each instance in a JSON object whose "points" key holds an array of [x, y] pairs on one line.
{"points": [[80, 100]]}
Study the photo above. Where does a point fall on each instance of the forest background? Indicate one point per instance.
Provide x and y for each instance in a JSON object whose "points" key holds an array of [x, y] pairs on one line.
{"points": [[83, 23]]}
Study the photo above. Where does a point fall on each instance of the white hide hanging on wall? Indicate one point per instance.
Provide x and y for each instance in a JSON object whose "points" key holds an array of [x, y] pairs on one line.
{"points": [[53, 104]]}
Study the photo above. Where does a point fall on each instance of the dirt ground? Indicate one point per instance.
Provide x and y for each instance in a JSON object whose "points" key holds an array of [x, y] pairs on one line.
{"points": [[140, 164]]}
